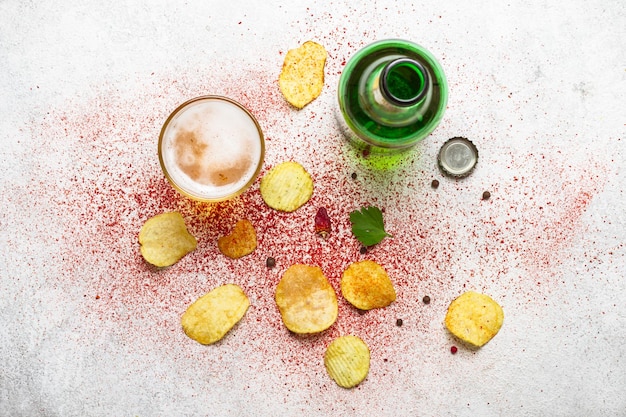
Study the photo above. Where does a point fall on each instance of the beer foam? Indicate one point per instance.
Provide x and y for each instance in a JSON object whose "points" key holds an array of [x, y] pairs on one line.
{"points": [[211, 148]]}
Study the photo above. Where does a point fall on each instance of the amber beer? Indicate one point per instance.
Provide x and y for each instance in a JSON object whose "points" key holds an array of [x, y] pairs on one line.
{"points": [[211, 148]]}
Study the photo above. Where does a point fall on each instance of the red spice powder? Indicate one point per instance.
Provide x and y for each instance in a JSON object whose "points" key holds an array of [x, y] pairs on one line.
{"points": [[110, 183]]}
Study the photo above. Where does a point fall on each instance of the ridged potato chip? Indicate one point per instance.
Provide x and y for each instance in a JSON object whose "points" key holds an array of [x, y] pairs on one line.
{"points": [[306, 300], [366, 285], [474, 318], [211, 316], [286, 187], [164, 239], [347, 361], [302, 76], [240, 242]]}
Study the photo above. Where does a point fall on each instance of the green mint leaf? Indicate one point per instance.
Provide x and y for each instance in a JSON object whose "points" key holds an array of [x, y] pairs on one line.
{"points": [[368, 226]]}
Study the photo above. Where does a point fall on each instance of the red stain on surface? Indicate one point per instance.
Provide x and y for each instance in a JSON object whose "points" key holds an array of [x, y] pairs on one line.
{"points": [[110, 183]]}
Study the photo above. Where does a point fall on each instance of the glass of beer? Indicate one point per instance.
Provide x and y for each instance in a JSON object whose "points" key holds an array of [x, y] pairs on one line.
{"points": [[211, 148]]}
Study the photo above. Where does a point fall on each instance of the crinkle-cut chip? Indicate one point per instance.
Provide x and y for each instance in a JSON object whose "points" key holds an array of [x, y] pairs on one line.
{"points": [[474, 318], [211, 316], [366, 285], [347, 361], [240, 242], [164, 239], [302, 77], [306, 300], [286, 187]]}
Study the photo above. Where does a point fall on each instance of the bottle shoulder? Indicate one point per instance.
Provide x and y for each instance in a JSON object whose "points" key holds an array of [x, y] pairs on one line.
{"points": [[392, 92]]}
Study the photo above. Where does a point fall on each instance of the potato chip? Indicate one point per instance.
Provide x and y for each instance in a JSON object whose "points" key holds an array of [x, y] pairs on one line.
{"points": [[347, 361], [286, 187], [164, 239], [366, 285], [211, 316], [474, 318], [240, 242], [302, 76], [306, 300]]}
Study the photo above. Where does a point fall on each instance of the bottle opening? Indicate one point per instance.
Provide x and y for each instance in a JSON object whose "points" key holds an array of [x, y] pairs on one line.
{"points": [[404, 82]]}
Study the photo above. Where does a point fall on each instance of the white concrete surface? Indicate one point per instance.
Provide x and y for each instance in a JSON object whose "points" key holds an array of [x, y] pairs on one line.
{"points": [[87, 329]]}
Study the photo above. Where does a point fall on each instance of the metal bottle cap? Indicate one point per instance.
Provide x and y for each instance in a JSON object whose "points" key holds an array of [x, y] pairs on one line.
{"points": [[458, 157]]}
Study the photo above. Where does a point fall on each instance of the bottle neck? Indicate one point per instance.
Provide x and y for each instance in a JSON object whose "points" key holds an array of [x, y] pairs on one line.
{"points": [[397, 93], [404, 82]]}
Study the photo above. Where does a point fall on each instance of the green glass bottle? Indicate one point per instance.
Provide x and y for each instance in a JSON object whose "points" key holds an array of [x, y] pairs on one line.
{"points": [[392, 94]]}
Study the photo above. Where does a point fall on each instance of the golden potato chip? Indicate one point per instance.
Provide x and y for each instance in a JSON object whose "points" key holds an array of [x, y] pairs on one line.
{"points": [[302, 76], [366, 285], [211, 316], [164, 239], [286, 187], [347, 361], [474, 318], [306, 300], [240, 242]]}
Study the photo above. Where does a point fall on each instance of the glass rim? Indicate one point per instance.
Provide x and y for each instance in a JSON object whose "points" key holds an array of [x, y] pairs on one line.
{"points": [[195, 196]]}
